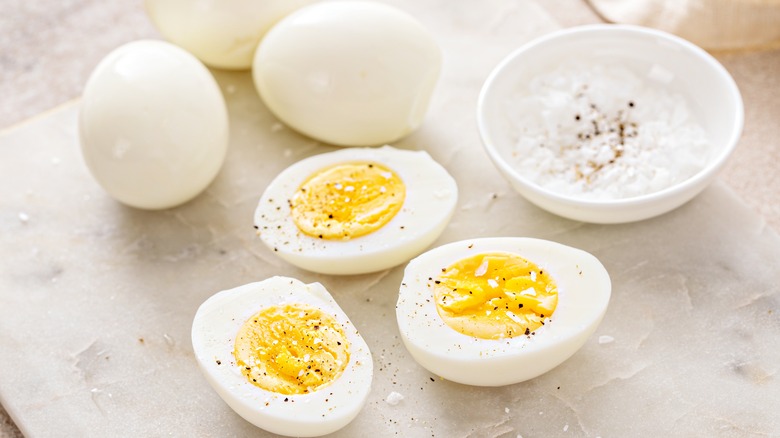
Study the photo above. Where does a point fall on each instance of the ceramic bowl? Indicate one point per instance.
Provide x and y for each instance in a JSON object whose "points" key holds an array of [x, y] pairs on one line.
{"points": [[711, 93]]}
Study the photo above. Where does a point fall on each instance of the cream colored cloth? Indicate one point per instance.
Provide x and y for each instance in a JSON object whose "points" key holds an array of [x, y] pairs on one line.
{"points": [[711, 24]]}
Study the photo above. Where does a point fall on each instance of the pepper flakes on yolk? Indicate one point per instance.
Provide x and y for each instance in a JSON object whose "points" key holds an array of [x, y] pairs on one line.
{"points": [[495, 296], [347, 200], [291, 349]]}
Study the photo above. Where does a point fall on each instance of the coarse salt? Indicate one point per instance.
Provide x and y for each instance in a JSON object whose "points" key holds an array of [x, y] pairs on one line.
{"points": [[394, 398], [600, 131], [606, 339], [481, 269]]}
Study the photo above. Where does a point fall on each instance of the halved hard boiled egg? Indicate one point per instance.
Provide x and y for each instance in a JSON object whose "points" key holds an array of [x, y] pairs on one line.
{"points": [[497, 311], [284, 356], [356, 210]]}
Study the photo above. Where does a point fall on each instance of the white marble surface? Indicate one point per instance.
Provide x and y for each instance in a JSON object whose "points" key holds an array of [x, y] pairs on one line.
{"points": [[96, 298]]}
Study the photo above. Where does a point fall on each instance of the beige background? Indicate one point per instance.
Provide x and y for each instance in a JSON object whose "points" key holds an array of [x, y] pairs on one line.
{"points": [[47, 50]]}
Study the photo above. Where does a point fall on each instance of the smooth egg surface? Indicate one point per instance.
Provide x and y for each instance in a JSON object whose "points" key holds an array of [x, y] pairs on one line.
{"points": [[284, 356], [356, 210], [221, 33], [497, 311], [153, 125], [348, 73]]}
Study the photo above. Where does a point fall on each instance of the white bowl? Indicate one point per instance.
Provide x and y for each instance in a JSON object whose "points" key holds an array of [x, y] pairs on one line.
{"points": [[711, 93]]}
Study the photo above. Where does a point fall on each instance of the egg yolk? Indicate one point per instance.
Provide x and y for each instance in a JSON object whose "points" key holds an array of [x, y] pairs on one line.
{"points": [[495, 296], [347, 200], [291, 349]]}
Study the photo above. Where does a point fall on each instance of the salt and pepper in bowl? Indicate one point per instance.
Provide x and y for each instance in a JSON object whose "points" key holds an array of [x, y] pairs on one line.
{"points": [[609, 123]]}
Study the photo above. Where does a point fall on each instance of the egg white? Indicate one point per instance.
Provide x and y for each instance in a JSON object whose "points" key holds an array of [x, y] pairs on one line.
{"points": [[221, 33], [584, 289], [214, 329], [431, 196], [153, 125], [348, 73]]}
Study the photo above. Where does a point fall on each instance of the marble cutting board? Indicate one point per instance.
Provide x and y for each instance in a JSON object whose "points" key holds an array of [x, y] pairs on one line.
{"points": [[96, 299]]}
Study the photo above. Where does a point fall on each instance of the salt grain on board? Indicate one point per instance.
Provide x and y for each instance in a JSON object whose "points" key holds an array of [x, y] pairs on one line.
{"points": [[394, 398]]}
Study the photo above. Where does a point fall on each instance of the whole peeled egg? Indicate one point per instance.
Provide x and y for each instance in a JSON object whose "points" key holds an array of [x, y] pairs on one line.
{"points": [[348, 73], [221, 33], [497, 311], [153, 125], [284, 356]]}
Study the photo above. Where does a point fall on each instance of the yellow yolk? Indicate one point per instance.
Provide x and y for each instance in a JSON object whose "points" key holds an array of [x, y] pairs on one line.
{"points": [[347, 200], [495, 296], [291, 349]]}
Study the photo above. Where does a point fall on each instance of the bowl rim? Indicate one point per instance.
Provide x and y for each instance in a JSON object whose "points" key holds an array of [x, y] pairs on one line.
{"points": [[700, 177]]}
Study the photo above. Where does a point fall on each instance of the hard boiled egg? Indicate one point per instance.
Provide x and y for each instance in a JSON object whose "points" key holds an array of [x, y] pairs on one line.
{"points": [[221, 33], [496, 311], [153, 125], [348, 73], [284, 356], [356, 210]]}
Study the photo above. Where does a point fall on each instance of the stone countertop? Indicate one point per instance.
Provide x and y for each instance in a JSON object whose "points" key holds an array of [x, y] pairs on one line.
{"points": [[47, 50]]}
